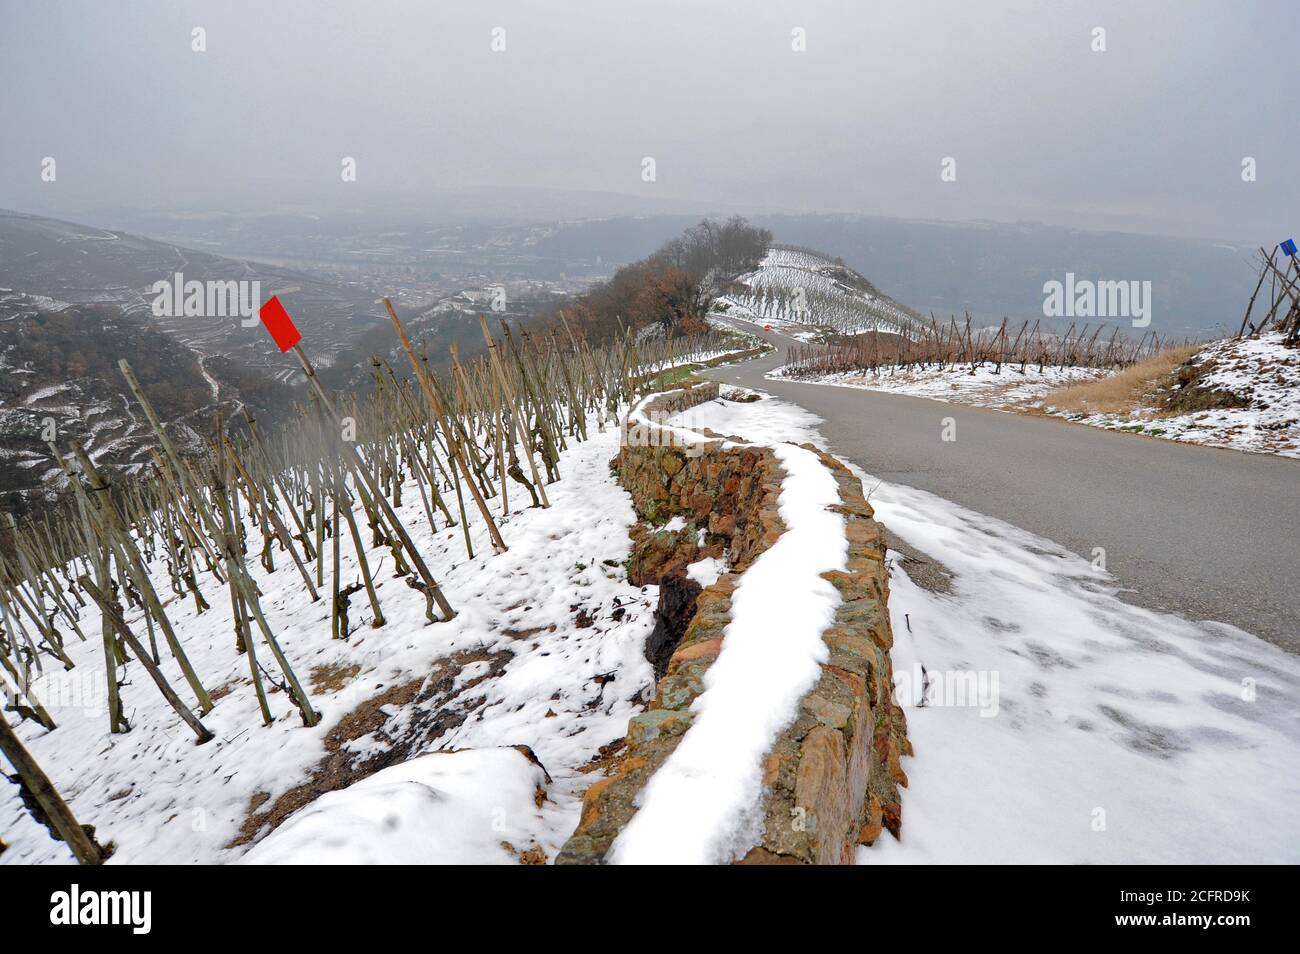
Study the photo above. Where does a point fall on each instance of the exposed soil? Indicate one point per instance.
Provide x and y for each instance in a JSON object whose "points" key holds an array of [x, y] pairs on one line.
{"points": [[438, 707], [1183, 392], [331, 677]]}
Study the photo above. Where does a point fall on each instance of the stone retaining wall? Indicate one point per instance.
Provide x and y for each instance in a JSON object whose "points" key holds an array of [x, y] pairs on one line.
{"points": [[832, 777]]}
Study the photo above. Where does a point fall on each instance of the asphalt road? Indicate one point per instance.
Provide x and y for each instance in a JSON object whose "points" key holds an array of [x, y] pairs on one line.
{"points": [[1198, 531]]}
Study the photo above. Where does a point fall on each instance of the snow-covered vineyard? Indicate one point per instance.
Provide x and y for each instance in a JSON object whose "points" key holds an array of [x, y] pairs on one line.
{"points": [[421, 628], [545, 651], [1099, 729], [195, 658], [803, 291]]}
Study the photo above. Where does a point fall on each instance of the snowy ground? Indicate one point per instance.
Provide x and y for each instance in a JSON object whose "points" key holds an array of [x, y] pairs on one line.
{"points": [[471, 807], [1051, 720], [982, 387], [1261, 370], [1060, 724], [555, 612]]}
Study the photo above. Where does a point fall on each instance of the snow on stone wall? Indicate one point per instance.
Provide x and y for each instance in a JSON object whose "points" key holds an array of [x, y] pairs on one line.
{"points": [[828, 781]]}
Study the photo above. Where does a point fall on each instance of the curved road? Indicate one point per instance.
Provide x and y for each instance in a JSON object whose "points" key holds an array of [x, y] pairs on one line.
{"points": [[1197, 531]]}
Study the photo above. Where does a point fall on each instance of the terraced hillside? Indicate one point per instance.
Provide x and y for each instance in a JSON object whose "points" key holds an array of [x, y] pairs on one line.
{"points": [[799, 286], [59, 379]]}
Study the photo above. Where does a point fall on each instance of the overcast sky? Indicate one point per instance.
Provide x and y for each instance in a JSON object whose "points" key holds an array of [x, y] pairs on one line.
{"points": [[1147, 136]]}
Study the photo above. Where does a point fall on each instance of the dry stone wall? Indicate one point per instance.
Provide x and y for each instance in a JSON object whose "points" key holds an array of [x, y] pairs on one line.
{"points": [[832, 778]]}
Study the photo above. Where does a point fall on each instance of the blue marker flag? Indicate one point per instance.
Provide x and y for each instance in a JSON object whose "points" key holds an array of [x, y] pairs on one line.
{"points": [[1289, 247]]}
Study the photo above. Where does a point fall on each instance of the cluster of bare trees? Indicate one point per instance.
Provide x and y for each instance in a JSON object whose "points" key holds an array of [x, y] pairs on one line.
{"points": [[952, 346], [716, 248], [122, 550], [674, 287]]}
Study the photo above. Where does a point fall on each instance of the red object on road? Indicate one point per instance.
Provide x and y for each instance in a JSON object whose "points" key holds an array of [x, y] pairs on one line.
{"points": [[767, 327], [278, 322]]}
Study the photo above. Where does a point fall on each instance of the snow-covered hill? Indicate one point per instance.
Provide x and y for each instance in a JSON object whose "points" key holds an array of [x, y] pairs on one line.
{"points": [[800, 287]]}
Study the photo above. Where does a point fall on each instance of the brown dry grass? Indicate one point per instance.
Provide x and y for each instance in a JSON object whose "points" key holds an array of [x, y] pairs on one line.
{"points": [[1122, 392]]}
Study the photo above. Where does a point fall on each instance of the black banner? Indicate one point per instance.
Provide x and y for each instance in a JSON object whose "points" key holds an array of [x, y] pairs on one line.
{"points": [[140, 905]]}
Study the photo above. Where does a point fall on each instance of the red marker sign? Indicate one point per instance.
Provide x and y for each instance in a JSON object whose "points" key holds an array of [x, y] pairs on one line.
{"points": [[281, 326]]}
